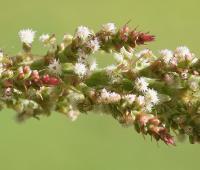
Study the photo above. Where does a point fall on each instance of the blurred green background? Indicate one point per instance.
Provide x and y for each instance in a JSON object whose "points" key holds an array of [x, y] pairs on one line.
{"points": [[93, 142]]}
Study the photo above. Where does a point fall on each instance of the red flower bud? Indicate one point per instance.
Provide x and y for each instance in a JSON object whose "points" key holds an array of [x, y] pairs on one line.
{"points": [[146, 37], [54, 81], [46, 79]]}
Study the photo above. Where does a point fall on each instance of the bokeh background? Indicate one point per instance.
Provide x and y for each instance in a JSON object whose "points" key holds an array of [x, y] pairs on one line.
{"points": [[93, 142]]}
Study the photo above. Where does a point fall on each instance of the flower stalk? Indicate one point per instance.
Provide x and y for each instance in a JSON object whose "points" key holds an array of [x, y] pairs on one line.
{"points": [[156, 94]]}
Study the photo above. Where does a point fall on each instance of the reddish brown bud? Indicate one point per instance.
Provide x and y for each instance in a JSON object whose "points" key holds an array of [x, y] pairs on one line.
{"points": [[123, 33], [143, 119], [46, 79], [144, 37], [21, 75], [26, 69], [147, 38], [154, 121], [54, 81], [166, 137]]}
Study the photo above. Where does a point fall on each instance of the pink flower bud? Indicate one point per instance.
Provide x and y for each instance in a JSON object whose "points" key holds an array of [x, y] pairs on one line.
{"points": [[26, 69]]}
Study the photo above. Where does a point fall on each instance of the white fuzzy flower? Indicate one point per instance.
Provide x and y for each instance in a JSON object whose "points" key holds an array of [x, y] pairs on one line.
{"points": [[151, 96], [27, 36], [108, 97], [44, 38], [141, 84], [167, 55], [109, 27], [55, 67], [82, 32], [80, 69], [182, 51], [144, 53], [148, 107], [126, 53], [109, 69], [130, 98], [93, 65], [94, 45], [119, 57], [140, 100]]}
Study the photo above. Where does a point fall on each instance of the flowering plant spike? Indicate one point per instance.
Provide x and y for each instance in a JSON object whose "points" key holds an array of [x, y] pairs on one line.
{"points": [[153, 93]]}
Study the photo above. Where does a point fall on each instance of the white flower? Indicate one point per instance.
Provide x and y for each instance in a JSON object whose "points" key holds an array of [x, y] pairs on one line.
{"points": [[80, 69], [174, 61], [166, 55], [140, 100], [109, 27], [144, 53], [141, 84], [182, 51], [27, 36], [109, 69], [108, 97], [148, 107], [82, 32], [55, 67], [130, 98], [93, 65], [126, 53], [151, 96], [73, 114], [118, 57], [94, 45], [44, 38]]}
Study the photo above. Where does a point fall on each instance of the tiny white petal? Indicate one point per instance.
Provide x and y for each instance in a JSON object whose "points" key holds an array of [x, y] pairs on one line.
{"points": [[44, 38], [55, 67], [126, 53], [166, 55], [140, 100], [141, 84], [182, 51], [109, 27], [27, 36], [144, 53], [82, 32], [80, 69], [151, 96], [94, 45], [130, 98], [118, 57]]}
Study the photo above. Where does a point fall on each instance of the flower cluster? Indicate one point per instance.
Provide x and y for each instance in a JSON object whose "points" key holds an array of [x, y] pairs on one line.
{"points": [[153, 93]]}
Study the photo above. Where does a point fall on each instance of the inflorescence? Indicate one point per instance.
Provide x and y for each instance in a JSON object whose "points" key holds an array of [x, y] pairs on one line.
{"points": [[153, 93]]}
